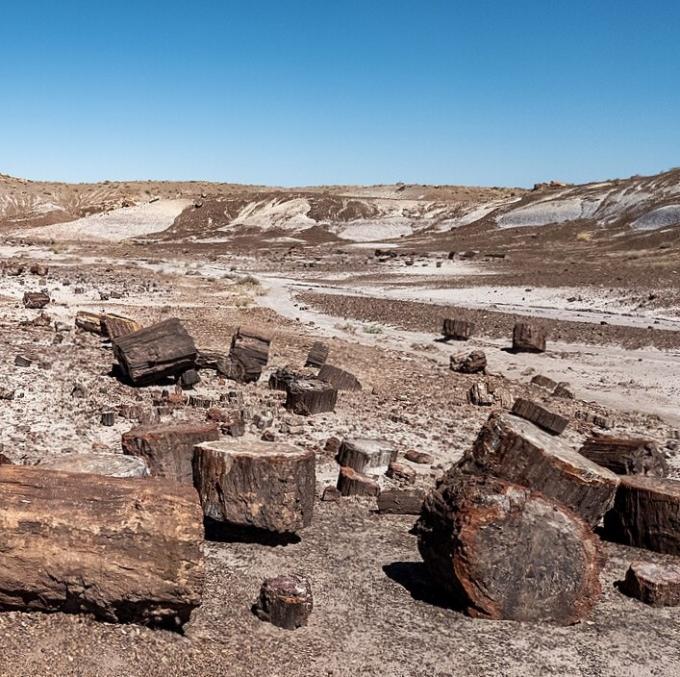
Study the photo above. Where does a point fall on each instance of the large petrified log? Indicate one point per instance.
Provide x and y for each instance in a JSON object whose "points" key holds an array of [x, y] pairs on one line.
{"points": [[517, 451], [458, 330], [318, 354], [125, 550], [625, 455], [528, 338], [501, 551], [646, 514], [546, 420], [653, 584], [365, 454], [169, 449], [249, 354], [285, 601], [307, 396], [111, 465], [256, 484], [156, 352], [339, 378]]}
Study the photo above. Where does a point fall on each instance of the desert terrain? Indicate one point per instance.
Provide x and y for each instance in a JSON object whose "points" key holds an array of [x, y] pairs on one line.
{"points": [[372, 272]]}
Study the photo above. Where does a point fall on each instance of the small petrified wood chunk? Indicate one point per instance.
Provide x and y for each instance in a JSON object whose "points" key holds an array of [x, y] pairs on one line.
{"points": [[544, 382], [646, 514], [401, 501], [626, 455], [653, 584], [364, 454], [115, 326], [282, 378], [339, 378], [468, 363], [515, 450], [458, 330], [88, 321], [111, 465], [353, 483], [35, 299], [156, 352], [285, 601], [528, 338], [402, 473], [124, 550], [168, 450], [318, 354], [307, 396], [502, 551], [256, 484], [479, 395], [249, 354], [546, 420]]}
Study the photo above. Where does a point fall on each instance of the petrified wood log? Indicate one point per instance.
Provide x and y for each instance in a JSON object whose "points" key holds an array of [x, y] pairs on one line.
{"points": [[515, 450], [646, 514], [353, 483], [282, 378], [168, 450], [528, 338], [479, 395], [215, 360], [502, 551], [401, 501], [156, 352], [35, 299], [458, 330], [468, 363], [318, 354], [546, 420], [285, 601], [256, 484], [125, 550], [339, 378], [306, 397], [400, 472], [249, 354], [544, 382], [115, 326], [111, 465], [625, 455], [87, 321], [653, 584], [363, 454]]}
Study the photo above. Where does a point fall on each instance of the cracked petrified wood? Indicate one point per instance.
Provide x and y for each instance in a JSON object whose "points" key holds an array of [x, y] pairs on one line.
{"points": [[111, 465], [318, 354], [546, 420], [285, 601], [339, 378], [468, 363], [501, 551], [354, 483], [528, 338], [515, 450], [308, 396], [626, 455], [169, 449], [156, 352], [35, 299], [256, 484], [364, 454], [653, 584], [124, 550], [646, 514], [115, 326]]}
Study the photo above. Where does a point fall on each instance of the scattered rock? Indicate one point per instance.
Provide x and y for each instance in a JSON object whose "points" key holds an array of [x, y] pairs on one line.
{"points": [[363, 454], [540, 416], [285, 601]]}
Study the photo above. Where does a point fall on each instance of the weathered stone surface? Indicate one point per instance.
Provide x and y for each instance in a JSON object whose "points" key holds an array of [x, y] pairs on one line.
{"points": [[168, 450], [563, 391], [646, 514], [540, 416], [285, 601], [515, 450], [401, 501], [626, 455], [364, 454], [188, 379], [35, 299], [256, 484], [353, 483], [125, 550], [502, 551], [458, 330], [306, 397], [468, 363], [156, 352], [318, 354], [339, 378], [653, 584], [111, 465], [528, 338]]}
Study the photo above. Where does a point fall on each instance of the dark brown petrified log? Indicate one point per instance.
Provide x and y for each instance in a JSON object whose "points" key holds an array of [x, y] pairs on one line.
{"points": [[401, 501], [307, 396], [318, 354], [468, 363], [285, 601], [249, 354], [528, 338], [540, 416], [458, 330], [626, 455], [653, 584], [353, 483], [339, 378]]}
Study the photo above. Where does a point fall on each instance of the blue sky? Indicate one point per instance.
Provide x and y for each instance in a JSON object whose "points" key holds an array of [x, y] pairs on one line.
{"points": [[308, 92]]}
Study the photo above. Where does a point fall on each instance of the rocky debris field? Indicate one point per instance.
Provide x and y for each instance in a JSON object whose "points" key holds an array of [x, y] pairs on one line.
{"points": [[275, 491]]}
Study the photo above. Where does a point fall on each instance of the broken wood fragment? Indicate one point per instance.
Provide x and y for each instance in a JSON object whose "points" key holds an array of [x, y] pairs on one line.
{"points": [[540, 416], [306, 397], [318, 354], [285, 601], [401, 501], [625, 455], [353, 483], [339, 378], [653, 584], [528, 338]]}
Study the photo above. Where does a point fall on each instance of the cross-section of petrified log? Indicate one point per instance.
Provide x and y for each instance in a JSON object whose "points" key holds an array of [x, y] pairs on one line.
{"points": [[256, 484], [112, 465], [517, 451], [318, 354], [653, 584], [364, 454], [285, 601], [339, 378], [626, 455], [169, 449], [150, 354], [646, 514], [528, 338], [458, 330], [540, 416], [502, 551], [307, 396], [125, 550], [115, 326]]}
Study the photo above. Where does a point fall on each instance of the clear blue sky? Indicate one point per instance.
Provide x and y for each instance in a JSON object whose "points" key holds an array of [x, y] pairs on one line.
{"points": [[339, 91]]}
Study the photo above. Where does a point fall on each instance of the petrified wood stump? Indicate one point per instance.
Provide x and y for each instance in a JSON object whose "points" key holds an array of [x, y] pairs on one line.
{"points": [[540, 416], [458, 330], [339, 378], [306, 397], [653, 584], [528, 338], [256, 484], [517, 451], [125, 550], [285, 601], [502, 551], [353, 483], [156, 352], [364, 454], [646, 514], [318, 354], [468, 363], [168, 450], [111, 465], [625, 455]]}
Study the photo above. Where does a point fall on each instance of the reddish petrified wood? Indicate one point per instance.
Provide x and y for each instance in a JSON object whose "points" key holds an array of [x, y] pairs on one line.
{"points": [[625, 455], [502, 551], [528, 338], [540, 416], [653, 584], [285, 601], [353, 483]]}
